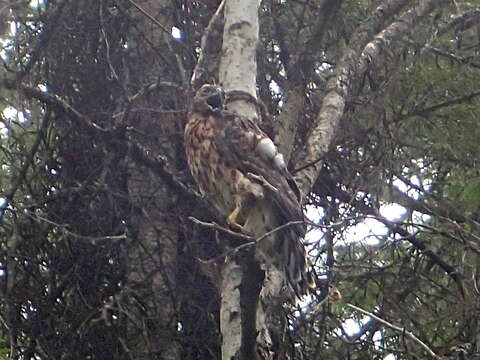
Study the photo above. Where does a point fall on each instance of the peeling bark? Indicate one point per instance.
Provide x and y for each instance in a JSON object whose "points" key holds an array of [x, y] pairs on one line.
{"points": [[241, 317], [230, 313], [238, 67], [288, 120]]}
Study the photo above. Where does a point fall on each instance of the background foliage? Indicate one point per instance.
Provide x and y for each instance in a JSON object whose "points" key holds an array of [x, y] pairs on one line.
{"points": [[93, 97]]}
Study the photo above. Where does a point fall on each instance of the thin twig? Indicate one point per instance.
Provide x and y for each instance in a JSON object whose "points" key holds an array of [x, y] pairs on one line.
{"points": [[399, 329], [50, 99], [413, 239], [454, 101], [206, 68], [29, 159], [181, 68], [42, 41], [228, 253], [251, 241], [144, 12], [70, 233], [267, 234], [214, 225], [311, 163], [11, 5], [109, 59]]}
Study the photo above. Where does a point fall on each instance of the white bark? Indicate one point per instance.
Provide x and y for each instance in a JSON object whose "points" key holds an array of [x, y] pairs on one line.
{"points": [[238, 66], [230, 310], [238, 71]]}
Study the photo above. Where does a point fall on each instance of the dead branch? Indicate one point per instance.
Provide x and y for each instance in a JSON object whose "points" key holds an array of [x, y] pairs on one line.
{"points": [[404, 331]]}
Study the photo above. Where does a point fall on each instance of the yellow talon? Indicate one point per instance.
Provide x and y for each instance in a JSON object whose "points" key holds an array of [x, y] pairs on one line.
{"points": [[232, 218]]}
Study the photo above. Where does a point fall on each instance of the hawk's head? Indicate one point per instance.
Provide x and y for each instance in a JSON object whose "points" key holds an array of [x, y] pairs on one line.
{"points": [[209, 98]]}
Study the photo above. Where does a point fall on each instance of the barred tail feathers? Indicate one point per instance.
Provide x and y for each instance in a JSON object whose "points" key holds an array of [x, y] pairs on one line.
{"points": [[296, 268], [283, 249]]}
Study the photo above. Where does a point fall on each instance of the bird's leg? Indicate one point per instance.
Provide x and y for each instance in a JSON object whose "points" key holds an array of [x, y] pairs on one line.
{"points": [[232, 218], [262, 181]]}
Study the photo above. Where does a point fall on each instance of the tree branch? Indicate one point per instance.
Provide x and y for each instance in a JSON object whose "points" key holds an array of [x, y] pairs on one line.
{"points": [[399, 329], [180, 66], [206, 70], [29, 160], [43, 40], [50, 99], [466, 20], [454, 101], [354, 62], [420, 245], [453, 57]]}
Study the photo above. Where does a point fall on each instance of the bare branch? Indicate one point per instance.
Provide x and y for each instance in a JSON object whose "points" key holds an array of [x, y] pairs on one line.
{"points": [[180, 66], [206, 70], [250, 240], [464, 21], [454, 101], [399, 329], [215, 226], [28, 161], [450, 56], [64, 229], [43, 40], [50, 99], [420, 245]]}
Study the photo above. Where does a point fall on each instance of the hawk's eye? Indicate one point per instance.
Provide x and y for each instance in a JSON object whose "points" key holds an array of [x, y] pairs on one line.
{"points": [[215, 100]]}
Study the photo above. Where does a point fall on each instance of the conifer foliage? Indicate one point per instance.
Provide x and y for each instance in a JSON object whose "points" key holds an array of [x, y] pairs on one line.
{"points": [[374, 104]]}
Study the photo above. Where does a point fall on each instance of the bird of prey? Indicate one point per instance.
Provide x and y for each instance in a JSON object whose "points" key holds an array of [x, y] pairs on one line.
{"points": [[237, 166]]}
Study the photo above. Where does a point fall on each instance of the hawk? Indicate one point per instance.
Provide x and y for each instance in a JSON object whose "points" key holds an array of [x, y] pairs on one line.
{"points": [[237, 166]]}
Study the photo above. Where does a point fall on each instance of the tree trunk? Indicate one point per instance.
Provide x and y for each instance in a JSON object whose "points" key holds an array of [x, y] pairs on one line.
{"points": [[153, 253], [249, 291], [241, 275]]}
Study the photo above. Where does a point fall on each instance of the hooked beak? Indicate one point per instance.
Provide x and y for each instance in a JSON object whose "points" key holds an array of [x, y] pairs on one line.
{"points": [[215, 101]]}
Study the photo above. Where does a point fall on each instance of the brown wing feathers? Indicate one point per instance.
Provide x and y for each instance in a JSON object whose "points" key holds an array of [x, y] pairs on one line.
{"points": [[247, 146], [241, 145]]}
